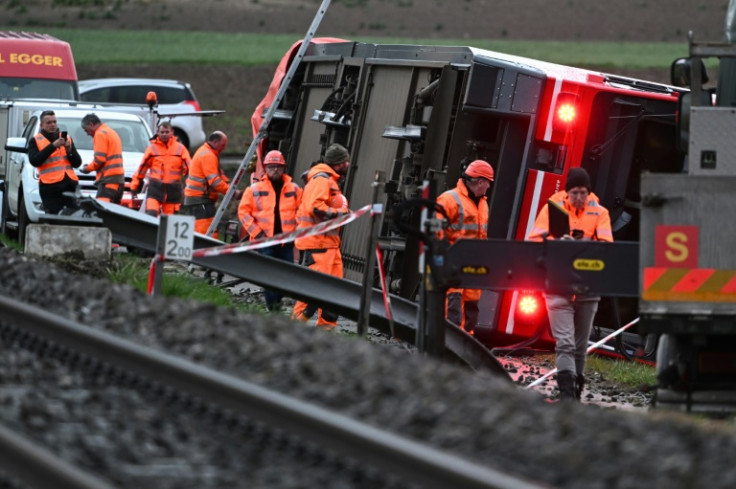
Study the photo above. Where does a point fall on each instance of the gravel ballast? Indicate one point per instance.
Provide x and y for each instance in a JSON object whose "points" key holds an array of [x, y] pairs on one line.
{"points": [[487, 420]]}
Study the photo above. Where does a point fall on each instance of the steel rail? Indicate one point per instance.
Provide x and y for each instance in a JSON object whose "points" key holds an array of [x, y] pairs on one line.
{"points": [[38, 468], [393, 454], [131, 228]]}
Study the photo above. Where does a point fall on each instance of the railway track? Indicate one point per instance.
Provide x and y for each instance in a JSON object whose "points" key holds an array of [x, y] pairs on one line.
{"points": [[359, 451], [173, 442]]}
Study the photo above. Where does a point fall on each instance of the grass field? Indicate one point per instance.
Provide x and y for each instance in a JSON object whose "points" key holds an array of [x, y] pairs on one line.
{"points": [[104, 47]]}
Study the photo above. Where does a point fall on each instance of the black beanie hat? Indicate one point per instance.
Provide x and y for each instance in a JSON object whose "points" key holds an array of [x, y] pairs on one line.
{"points": [[336, 154], [577, 177]]}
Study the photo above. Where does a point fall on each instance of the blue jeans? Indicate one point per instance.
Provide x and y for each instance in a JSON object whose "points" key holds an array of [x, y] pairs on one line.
{"points": [[280, 252]]}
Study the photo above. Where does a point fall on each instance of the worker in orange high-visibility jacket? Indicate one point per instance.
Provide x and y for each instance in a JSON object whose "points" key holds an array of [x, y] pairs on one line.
{"points": [[168, 161], [205, 182], [108, 159], [55, 157], [268, 208], [571, 317], [467, 211], [322, 201]]}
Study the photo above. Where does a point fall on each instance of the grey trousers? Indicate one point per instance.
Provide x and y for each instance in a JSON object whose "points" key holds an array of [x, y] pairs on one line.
{"points": [[571, 320]]}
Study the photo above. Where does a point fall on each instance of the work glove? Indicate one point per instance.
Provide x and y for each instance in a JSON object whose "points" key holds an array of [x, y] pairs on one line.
{"points": [[252, 165], [136, 186], [341, 204]]}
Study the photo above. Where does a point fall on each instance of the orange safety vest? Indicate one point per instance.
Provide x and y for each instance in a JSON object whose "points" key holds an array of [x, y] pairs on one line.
{"points": [[593, 219], [108, 156], [167, 162], [56, 165], [257, 207], [206, 179], [322, 200], [467, 220]]}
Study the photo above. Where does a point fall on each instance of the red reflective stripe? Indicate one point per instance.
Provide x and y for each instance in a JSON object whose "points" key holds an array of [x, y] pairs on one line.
{"points": [[730, 287], [681, 284], [651, 275], [668, 279], [692, 281]]}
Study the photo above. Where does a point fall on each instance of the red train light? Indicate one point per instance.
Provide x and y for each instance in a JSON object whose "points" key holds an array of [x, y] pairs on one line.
{"points": [[566, 111], [528, 304], [529, 308]]}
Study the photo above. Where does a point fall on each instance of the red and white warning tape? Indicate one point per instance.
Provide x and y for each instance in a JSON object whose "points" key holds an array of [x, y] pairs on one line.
{"points": [[588, 351], [282, 238]]}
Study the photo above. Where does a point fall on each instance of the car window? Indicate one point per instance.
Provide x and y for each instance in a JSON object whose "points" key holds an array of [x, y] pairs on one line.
{"points": [[129, 94], [136, 94], [97, 95], [171, 95], [33, 88], [30, 130], [132, 134]]}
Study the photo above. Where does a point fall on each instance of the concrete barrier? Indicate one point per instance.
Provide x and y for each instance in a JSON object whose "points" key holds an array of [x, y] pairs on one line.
{"points": [[46, 240]]}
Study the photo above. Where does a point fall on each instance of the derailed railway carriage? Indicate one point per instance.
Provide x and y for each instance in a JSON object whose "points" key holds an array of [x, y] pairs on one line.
{"points": [[421, 113]]}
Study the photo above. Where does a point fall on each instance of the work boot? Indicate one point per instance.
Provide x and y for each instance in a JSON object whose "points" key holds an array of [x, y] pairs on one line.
{"points": [[579, 384], [300, 317], [275, 307], [566, 385]]}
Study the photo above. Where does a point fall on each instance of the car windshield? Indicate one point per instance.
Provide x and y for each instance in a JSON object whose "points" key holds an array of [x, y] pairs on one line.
{"points": [[32, 88], [132, 134], [135, 94]]}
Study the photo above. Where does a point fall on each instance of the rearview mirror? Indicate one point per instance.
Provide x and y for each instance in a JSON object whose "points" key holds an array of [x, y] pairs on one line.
{"points": [[681, 72], [17, 145]]}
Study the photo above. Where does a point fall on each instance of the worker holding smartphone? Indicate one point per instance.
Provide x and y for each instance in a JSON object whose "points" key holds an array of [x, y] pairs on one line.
{"points": [[55, 156]]}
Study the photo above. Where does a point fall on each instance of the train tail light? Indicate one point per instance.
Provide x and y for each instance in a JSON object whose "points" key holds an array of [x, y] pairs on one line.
{"points": [[567, 111], [528, 304], [530, 307]]}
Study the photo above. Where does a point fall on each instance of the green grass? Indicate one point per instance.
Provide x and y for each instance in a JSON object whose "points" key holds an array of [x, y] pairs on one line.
{"points": [[630, 374], [133, 270], [10, 242], [209, 48]]}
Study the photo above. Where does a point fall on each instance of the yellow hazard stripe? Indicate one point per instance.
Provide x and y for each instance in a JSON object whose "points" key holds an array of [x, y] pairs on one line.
{"points": [[685, 284]]}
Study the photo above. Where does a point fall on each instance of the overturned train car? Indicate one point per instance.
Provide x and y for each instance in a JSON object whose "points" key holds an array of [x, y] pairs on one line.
{"points": [[421, 113]]}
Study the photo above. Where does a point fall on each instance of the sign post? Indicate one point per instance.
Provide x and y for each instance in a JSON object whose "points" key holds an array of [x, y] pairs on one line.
{"points": [[175, 241], [370, 257]]}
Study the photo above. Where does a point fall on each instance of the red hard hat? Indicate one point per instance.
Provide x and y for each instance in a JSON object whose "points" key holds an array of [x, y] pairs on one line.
{"points": [[480, 169], [274, 157]]}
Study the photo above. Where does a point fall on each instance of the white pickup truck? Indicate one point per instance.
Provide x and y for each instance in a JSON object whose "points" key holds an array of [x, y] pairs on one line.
{"points": [[21, 201]]}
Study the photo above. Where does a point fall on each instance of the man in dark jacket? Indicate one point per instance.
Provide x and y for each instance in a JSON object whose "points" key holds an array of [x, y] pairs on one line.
{"points": [[55, 156]]}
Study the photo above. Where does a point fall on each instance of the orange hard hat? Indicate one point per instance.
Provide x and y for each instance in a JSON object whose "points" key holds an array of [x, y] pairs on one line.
{"points": [[274, 157], [480, 169]]}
